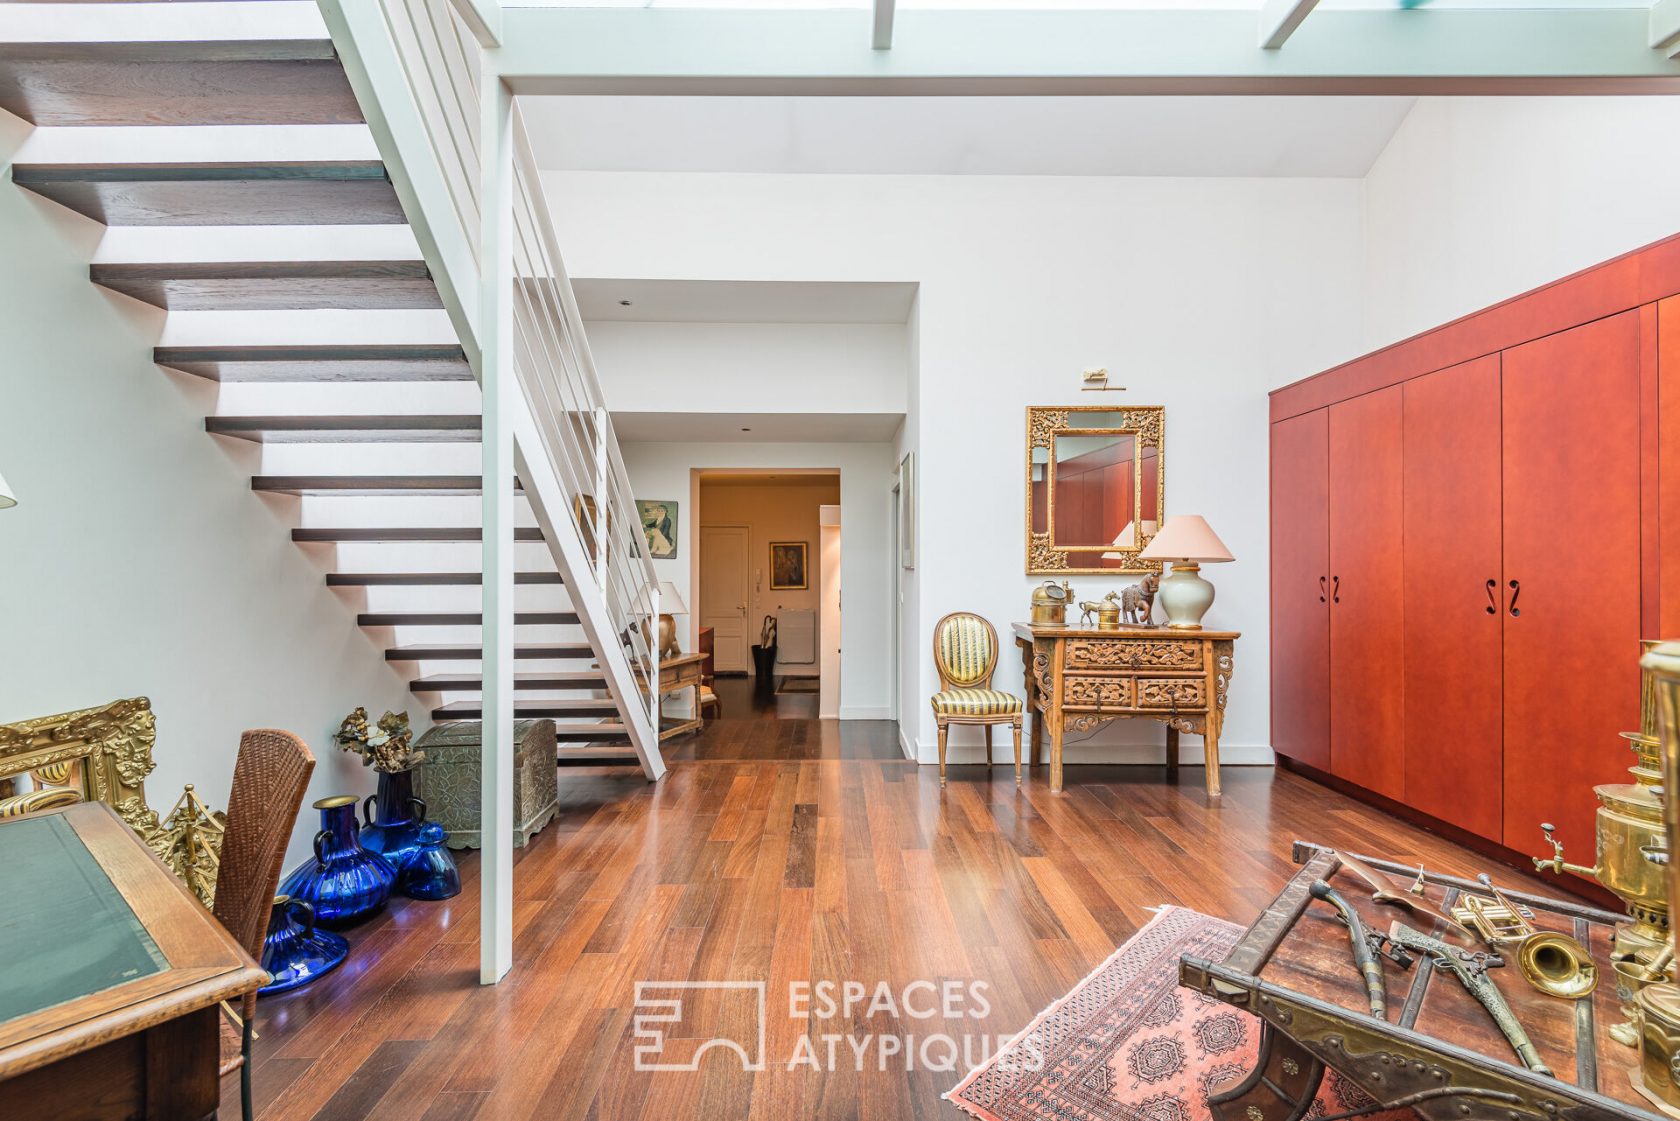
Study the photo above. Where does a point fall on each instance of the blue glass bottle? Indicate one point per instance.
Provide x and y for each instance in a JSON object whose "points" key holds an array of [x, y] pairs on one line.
{"points": [[431, 873], [296, 951], [394, 825], [344, 883]]}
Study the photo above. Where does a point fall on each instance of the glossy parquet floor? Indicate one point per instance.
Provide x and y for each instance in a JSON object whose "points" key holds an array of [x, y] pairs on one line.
{"points": [[785, 850]]}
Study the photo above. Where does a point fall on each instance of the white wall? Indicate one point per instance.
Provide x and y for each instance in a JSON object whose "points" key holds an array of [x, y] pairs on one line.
{"points": [[1198, 294], [665, 469], [751, 367], [138, 562], [1478, 199]]}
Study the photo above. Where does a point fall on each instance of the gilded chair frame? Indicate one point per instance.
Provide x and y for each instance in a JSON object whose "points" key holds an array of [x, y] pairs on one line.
{"points": [[982, 681]]}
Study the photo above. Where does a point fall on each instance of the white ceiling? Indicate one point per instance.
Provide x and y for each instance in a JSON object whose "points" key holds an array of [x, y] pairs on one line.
{"points": [[732, 301], [756, 428], [1155, 136]]}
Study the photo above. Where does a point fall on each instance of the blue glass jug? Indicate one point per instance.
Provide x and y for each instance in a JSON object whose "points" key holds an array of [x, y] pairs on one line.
{"points": [[345, 883]]}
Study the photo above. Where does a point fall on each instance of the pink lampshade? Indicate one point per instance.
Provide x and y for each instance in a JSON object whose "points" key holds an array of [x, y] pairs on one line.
{"points": [[1186, 537]]}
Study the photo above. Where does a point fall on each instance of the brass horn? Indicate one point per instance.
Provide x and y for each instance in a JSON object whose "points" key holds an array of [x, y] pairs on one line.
{"points": [[1557, 964]]}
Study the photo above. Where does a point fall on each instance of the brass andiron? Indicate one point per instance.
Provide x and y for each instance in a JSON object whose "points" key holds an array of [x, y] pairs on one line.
{"points": [[1658, 1003], [1629, 821]]}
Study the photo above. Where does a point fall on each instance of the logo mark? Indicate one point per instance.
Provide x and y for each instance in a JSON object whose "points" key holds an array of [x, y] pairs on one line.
{"points": [[660, 1006]]}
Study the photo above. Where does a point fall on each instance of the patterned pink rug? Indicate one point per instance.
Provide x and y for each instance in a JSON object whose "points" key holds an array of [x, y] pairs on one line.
{"points": [[1128, 1044]]}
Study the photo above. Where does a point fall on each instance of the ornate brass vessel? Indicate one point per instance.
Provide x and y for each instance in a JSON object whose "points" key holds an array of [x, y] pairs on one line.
{"points": [[1629, 821], [1659, 1004], [1049, 603]]}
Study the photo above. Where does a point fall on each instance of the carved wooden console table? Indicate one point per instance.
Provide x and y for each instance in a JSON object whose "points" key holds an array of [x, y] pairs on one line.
{"points": [[1082, 678]]}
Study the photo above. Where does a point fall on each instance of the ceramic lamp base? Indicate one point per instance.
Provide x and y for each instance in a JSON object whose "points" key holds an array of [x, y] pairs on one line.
{"points": [[1185, 597]]}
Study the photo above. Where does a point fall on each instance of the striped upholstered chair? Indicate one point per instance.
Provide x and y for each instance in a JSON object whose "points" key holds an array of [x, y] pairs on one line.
{"points": [[965, 651]]}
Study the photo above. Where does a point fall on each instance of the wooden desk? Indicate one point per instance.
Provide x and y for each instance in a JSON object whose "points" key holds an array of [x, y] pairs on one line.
{"points": [[675, 675], [1083, 678], [113, 972]]}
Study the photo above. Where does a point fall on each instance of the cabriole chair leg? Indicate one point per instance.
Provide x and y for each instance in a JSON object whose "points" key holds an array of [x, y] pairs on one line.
{"points": [[1017, 727]]}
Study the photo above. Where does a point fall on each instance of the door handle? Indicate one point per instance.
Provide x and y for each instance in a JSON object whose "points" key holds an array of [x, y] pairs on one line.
{"points": [[1493, 603], [1516, 590], [1322, 590], [1335, 589]]}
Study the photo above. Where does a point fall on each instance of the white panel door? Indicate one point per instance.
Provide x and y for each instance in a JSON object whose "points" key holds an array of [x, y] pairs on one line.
{"points": [[723, 594]]}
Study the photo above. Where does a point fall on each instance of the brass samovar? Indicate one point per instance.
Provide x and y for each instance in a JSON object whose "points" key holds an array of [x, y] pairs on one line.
{"points": [[1658, 1077], [1629, 822]]}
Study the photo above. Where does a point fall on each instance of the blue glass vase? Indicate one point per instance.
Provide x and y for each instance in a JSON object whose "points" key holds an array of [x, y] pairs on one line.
{"points": [[394, 825], [295, 951], [345, 883], [432, 874]]}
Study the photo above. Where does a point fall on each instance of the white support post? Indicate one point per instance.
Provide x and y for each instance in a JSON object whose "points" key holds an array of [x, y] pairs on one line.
{"points": [[495, 931]]}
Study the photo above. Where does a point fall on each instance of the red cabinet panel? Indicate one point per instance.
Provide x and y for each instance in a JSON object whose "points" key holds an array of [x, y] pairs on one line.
{"points": [[1367, 745], [1571, 428], [1453, 613], [1300, 577]]}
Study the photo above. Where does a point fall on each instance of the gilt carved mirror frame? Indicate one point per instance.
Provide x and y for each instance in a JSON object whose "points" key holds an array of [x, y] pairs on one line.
{"points": [[92, 755], [1046, 554]]}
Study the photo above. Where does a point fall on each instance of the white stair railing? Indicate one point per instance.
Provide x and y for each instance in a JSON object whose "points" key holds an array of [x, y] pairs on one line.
{"points": [[416, 69]]}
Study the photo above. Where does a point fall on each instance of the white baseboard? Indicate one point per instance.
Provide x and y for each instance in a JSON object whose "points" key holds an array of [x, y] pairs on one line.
{"points": [[904, 745], [865, 712]]}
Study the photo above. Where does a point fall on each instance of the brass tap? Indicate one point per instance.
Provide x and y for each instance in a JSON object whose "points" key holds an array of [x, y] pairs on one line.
{"points": [[1557, 864]]}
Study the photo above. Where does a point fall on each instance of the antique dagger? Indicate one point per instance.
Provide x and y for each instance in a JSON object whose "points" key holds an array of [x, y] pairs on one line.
{"points": [[1471, 970], [1364, 944]]}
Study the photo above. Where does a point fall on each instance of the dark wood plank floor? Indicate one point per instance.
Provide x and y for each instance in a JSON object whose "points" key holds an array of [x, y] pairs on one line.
{"points": [[786, 850]]}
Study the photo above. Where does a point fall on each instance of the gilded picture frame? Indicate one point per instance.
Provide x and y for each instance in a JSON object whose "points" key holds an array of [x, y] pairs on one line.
{"points": [[788, 566], [98, 754], [1147, 424]]}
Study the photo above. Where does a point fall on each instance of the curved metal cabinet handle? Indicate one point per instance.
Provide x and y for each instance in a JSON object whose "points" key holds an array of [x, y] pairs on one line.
{"points": [[1335, 589], [1323, 588], [1516, 590], [1493, 602]]}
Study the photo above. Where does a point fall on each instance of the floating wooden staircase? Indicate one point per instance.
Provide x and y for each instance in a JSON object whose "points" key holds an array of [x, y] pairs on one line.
{"points": [[368, 437]]}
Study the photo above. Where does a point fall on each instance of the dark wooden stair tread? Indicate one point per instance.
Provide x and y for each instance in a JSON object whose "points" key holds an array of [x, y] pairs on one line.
{"points": [[278, 193], [472, 652], [206, 82], [344, 362], [352, 485], [472, 682], [273, 285], [565, 732], [358, 534], [428, 579], [463, 428], [463, 619]]}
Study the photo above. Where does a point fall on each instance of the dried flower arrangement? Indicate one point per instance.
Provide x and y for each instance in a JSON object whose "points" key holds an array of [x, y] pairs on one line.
{"points": [[386, 746]]}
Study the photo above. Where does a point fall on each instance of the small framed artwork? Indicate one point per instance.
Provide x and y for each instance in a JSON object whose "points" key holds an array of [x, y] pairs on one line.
{"points": [[907, 511], [659, 526], [787, 566]]}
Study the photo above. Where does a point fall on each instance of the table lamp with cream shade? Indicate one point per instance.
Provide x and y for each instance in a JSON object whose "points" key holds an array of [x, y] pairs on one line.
{"points": [[1188, 542], [670, 604], [7, 498]]}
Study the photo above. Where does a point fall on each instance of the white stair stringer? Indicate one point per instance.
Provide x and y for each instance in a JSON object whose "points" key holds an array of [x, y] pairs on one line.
{"points": [[549, 504]]}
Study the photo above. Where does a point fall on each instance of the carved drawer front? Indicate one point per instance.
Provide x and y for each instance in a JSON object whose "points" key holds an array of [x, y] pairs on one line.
{"points": [[1183, 693], [1097, 692], [1149, 653]]}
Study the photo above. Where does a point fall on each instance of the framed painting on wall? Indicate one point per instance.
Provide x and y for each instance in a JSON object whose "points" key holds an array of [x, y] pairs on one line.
{"points": [[659, 526], [787, 566]]}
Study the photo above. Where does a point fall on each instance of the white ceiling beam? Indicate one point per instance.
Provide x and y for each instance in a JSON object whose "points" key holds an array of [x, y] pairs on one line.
{"points": [[950, 52], [883, 37], [1280, 18], [1665, 24]]}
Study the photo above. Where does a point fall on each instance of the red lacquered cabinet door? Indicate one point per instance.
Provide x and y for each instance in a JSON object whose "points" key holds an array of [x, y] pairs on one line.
{"points": [[1367, 593], [1453, 606], [1300, 579], [1571, 421]]}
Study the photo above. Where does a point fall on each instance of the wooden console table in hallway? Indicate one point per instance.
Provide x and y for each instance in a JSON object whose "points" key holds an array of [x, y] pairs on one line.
{"points": [[114, 975], [1084, 677]]}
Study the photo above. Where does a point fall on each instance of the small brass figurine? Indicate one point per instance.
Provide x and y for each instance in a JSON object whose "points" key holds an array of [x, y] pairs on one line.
{"points": [[1107, 611], [1137, 602]]}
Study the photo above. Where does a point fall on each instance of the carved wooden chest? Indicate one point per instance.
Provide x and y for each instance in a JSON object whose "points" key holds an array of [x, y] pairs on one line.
{"points": [[449, 779]]}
